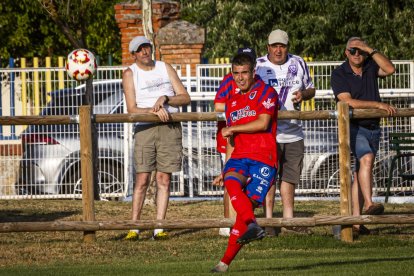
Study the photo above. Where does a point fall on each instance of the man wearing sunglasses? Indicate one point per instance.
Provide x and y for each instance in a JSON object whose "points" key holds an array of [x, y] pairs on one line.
{"points": [[355, 83]]}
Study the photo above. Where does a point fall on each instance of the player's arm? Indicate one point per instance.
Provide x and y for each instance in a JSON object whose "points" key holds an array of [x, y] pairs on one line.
{"points": [[219, 107], [259, 125]]}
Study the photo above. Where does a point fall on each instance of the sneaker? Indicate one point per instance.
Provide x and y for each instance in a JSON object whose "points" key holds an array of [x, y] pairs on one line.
{"points": [[296, 230], [220, 268], [225, 232], [375, 209], [160, 236], [132, 236], [361, 230], [254, 232]]}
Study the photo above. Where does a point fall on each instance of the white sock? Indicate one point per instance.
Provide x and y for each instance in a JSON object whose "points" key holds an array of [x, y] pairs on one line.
{"points": [[134, 230], [156, 231]]}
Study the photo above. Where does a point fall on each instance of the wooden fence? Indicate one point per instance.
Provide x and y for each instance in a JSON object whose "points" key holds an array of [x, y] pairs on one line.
{"points": [[89, 225]]}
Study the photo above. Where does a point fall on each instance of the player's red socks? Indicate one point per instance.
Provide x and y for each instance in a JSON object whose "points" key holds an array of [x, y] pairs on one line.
{"points": [[241, 203], [239, 228]]}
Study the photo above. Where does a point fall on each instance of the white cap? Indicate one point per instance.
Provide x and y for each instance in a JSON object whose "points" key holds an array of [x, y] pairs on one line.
{"points": [[278, 36], [136, 42]]}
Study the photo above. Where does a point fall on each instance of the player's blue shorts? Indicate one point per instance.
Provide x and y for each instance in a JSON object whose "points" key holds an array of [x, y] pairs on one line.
{"points": [[260, 176]]}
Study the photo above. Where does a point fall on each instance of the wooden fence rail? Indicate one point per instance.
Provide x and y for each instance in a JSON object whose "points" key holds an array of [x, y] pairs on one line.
{"points": [[193, 116], [89, 225], [198, 223]]}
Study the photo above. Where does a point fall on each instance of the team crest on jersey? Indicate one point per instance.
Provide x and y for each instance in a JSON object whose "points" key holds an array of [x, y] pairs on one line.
{"points": [[268, 104], [293, 69], [252, 95], [233, 104], [269, 71]]}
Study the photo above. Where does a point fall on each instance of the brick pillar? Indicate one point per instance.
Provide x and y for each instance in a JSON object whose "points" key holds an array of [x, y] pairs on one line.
{"points": [[181, 43], [128, 16]]}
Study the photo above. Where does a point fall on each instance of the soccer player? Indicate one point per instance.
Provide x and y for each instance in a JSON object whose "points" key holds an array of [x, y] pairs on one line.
{"points": [[251, 112], [223, 93]]}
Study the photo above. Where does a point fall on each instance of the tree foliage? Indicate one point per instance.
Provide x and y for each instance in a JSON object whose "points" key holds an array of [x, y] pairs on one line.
{"points": [[317, 28], [55, 27]]}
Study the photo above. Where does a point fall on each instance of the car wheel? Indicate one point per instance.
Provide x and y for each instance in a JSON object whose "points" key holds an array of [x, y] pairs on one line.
{"points": [[110, 179]]}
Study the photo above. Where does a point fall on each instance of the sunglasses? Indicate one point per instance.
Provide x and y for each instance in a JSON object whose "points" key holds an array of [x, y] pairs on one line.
{"points": [[353, 51]]}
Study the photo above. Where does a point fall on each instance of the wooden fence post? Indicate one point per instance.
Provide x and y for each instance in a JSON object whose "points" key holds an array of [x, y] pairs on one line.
{"points": [[85, 128], [345, 168]]}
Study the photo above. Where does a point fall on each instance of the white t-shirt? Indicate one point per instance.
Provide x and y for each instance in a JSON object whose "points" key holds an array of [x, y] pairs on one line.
{"points": [[287, 78], [150, 85]]}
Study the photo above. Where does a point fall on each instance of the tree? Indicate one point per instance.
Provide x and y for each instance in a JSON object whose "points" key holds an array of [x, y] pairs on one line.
{"points": [[55, 27], [317, 28]]}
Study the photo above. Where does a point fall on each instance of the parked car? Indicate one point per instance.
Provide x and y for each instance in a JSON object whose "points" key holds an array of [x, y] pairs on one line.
{"points": [[51, 153], [321, 159]]}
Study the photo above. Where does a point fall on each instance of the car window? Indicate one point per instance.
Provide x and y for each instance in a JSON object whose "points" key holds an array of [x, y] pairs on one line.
{"points": [[66, 102]]}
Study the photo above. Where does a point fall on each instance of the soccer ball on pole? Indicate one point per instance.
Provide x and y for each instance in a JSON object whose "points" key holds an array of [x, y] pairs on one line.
{"points": [[81, 64]]}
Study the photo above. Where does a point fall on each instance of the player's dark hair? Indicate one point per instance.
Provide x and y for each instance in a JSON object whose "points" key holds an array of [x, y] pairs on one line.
{"points": [[243, 59]]}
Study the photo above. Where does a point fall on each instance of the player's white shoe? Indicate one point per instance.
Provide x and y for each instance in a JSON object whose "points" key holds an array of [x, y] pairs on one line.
{"points": [[225, 232], [220, 268]]}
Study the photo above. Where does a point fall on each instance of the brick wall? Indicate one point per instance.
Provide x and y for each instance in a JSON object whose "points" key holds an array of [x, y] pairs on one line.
{"points": [[176, 41]]}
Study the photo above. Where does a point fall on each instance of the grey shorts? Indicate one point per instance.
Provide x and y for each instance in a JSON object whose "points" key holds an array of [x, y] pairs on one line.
{"points": [[158, 146], [290, 161]]}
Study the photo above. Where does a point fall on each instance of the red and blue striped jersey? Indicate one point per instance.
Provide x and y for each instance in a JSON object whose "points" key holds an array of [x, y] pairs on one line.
{"points": [[245, 108]]}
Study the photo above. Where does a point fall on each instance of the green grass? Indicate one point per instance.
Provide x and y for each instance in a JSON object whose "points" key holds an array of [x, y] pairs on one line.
{"points": [[194, 252]]}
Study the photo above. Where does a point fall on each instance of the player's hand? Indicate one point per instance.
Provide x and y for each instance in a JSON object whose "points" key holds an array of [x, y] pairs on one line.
{"points": [[226, 132], [162, 114], [218, 180]]}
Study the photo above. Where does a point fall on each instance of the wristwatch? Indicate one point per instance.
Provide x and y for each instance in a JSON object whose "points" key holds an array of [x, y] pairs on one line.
{"points": [[373, 52]]}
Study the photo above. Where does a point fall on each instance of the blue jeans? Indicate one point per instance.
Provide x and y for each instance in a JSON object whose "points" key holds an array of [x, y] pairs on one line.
{"points": [[364, 141]]}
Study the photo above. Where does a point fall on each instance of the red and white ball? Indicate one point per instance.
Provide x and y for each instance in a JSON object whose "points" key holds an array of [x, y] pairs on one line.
{"points": [[81, 64]]}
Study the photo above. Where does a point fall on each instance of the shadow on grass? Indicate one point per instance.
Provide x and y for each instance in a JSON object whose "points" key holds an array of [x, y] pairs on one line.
{"points": [[332, 264], [147, 234], [20, 216], [396, 229]]}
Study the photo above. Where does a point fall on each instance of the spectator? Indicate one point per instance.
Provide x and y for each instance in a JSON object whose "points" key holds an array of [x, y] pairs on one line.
{"points": [[251, 112], [153, 87], [355, 83], [289, 76], [227, 85]]}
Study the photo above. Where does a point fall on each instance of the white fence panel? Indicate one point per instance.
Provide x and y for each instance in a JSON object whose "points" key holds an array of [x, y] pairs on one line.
{"points": [[43, 162]]}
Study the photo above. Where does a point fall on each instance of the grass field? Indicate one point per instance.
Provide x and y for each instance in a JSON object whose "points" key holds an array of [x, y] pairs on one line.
{"points": [[388, 251]]}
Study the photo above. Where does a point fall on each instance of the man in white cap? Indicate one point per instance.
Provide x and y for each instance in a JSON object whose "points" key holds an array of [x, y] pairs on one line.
{"points": [[153, 87], [289, 76]]}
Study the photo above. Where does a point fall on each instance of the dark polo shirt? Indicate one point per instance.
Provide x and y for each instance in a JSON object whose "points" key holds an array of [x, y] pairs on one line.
{"points": [[364, 88]]}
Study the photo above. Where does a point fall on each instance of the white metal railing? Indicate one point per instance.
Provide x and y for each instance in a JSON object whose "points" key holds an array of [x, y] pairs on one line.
{"points": [[201, 161]]}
